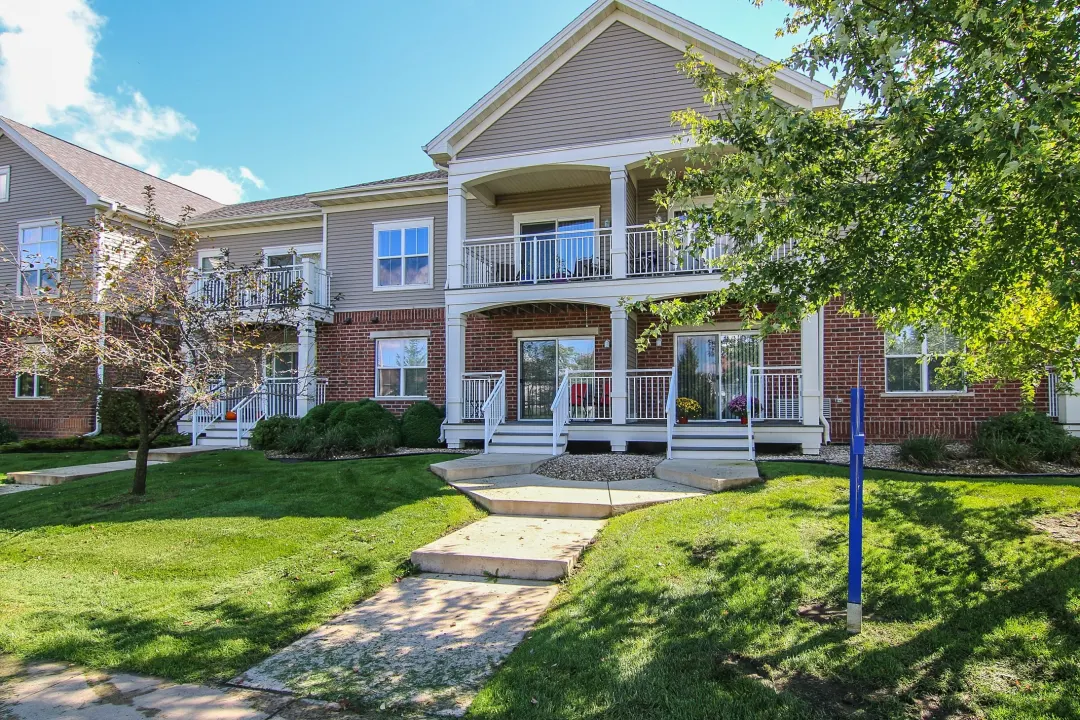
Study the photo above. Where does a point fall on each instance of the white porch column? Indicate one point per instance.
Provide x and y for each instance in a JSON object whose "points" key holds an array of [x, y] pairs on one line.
{"points": [[306, 366], [455, 364], [618, 223], [455, 236], [810, 360], [618, 371], [1069, 408]]}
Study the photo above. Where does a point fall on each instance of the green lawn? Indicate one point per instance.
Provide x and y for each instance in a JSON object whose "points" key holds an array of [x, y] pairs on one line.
{"points": [[689, 610], [227, 558], [13, 462]]}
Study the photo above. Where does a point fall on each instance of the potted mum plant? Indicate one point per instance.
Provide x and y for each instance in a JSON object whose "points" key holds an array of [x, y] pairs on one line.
{"points": [[738, 407], [686, 409]]}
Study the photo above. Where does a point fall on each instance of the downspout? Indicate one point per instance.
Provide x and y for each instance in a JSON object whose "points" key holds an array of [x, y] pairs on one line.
{"points": [[821, 377], [101, 377]]}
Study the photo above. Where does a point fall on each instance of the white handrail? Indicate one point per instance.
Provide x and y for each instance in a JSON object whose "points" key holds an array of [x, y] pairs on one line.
{"points": [[206, 412], [560, 412], [248, 412], [589, 395], [476, 388], [671, 411], [494, 410], [273, 396], [750, 411], [646, 393], [1051, 393], [777, 393]]}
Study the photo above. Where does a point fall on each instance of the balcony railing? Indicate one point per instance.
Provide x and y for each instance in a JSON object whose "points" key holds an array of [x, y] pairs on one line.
{"points": [[304, 284], [646, 394], [564, 256], [476, 387], [669, 252], [775, 393], [589, 394]]}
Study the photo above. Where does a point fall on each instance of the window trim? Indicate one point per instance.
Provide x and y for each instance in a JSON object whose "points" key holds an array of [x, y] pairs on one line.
{"points": [[39, 223], [924, 373], [379, 226], [401, 380], [37, 384], [5, 170], [685, 205], [303, 249]]}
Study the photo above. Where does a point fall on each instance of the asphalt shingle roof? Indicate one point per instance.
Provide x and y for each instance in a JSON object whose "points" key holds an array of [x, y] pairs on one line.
{"points": [[418, 177], [292, 203], [113, 180]]}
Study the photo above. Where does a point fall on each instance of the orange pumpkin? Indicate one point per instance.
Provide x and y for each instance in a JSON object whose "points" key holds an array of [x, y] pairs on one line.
{"points": [[230, 415]]}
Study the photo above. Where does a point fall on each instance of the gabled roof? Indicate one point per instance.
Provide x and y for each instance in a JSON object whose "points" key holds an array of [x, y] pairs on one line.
{"points": [[418, 177], [292, 204], [667, 27], [101, 180]]}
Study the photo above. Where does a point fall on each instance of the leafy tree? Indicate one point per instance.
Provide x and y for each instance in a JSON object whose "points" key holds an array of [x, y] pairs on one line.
{"points": [[950, 196], [124, 300]]}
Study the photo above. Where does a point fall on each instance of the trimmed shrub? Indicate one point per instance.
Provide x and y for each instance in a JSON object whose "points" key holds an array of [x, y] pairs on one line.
{"points": [[367, 417], [266, 435], [119, 412], [101, 442], [316, 419], [420, 424], [925, 451], [340, 439], [294, 440], [1029, 436], [7, 433], [381, 444]]}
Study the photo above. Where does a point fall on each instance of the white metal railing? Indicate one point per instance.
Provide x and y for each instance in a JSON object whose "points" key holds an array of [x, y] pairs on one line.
{"points": [[669, 251], [203, 415], [476, 388], [560, 412], [1051, 393], [646, 394], [777, 393], [275, 396], [669, 410], [560, 256], [589, 395], [494, 409], [303, 284]]}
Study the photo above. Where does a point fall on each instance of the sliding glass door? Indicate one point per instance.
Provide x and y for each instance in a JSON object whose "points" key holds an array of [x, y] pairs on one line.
{"points": [[542, 365], [711, 368]]}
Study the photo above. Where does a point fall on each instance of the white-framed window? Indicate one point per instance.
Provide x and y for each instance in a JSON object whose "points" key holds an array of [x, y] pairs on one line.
{"points": [[31, 385], [912, 361], [210, 260], [401, 367], [403, 254], [292, 256], [5, 183], [39, 256]]}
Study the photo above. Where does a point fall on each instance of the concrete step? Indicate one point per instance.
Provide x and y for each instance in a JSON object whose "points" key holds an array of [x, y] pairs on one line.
{"points": [[528, 449], [709, 474], [221, 442], [525, 429], [56, 476], [175, 453], [508, 546], [475, 467], [710, 454], [539, 496]]}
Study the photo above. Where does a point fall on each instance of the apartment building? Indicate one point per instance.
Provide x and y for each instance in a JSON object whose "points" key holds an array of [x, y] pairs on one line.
{"points": [[495, 285]]}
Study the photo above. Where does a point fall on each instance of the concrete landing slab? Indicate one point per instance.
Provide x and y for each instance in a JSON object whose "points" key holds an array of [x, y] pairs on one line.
{"points": [[425, 644], [56, 690], [491, 465], [56, 476], [539, 496], [173, 454], [712, 475], [511, 546]]}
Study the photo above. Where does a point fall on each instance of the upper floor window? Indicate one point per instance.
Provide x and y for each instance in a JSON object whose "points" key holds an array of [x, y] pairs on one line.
{"points": [[912, 361], [5, 183], [403, 254], [39, 256]]}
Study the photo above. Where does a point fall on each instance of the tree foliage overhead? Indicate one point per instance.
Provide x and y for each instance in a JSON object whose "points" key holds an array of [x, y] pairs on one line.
{"points": [[949, 197]]}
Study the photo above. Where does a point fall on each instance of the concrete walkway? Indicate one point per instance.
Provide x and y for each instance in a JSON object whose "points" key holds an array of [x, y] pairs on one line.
{"points": [[56, 476]]}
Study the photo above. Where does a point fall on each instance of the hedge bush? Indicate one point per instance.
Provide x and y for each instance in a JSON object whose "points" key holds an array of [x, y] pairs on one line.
{"points": [[420, 425], [1015, 441], [100, 442], [267, 433], [7, 433], [119, 412], [925, 450]]}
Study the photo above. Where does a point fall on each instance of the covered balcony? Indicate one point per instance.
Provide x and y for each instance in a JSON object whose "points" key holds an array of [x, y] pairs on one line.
{"points": [[304, 284]]}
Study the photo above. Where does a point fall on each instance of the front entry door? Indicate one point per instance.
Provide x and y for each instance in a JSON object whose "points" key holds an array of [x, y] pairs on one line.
{"points": [[543, 363], [282, 363], [711, 369]]}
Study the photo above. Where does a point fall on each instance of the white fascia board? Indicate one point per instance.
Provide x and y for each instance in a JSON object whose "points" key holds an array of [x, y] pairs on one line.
{"points": [[220, 232], [289, 216], [91, 197], [326, 197]]}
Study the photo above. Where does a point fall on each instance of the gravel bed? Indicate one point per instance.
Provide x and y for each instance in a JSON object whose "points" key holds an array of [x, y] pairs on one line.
{"points": [[601, 467], [886, 457]]}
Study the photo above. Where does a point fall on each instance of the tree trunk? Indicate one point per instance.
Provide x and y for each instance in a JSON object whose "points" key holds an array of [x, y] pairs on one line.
{"points": [[138, 487]]}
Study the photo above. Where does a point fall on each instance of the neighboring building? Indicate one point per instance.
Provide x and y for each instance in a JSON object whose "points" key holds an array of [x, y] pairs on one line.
{"points": [[494, 285]]}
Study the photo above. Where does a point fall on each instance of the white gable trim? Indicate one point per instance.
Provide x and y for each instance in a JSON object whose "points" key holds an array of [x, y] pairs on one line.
{"points": [[51, 165], [642, 16]]}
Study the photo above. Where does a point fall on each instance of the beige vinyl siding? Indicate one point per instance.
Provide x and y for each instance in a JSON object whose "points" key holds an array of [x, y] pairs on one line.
{"points": [[622, 85], [646, 205], [350, 258], [631, 202], [35, 194], [245, 249], [482, 221]]}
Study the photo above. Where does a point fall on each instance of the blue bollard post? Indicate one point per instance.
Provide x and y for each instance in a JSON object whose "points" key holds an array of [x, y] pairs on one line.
{"points": [[855, 511]]}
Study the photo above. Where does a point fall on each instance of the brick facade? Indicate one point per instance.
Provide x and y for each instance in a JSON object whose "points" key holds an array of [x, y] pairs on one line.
{"points": [[346, 352], [779, 348], [45, 417], [889, 417]]}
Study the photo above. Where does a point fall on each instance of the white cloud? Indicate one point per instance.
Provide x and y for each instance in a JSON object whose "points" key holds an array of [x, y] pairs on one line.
{"points": [[215, 184], [47, 52]]}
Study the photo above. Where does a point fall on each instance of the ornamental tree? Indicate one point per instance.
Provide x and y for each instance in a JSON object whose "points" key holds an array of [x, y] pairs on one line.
{"points": [[123, 313], [949, 196]]}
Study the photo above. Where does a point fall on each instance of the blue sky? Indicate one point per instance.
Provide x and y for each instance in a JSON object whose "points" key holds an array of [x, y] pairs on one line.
{"points": [[279, 98]]}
